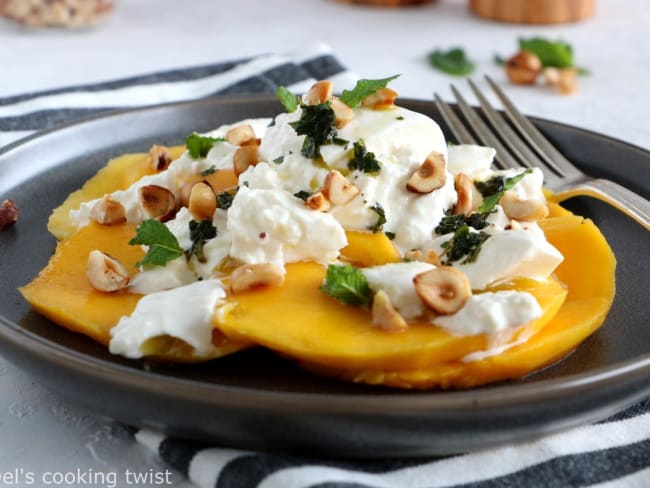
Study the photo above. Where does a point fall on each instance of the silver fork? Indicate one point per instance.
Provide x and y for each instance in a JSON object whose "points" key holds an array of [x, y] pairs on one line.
{"points": [[523, 145]]}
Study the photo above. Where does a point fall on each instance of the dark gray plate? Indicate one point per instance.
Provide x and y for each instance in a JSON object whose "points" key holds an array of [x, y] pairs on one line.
{"points": [[257, 400]]}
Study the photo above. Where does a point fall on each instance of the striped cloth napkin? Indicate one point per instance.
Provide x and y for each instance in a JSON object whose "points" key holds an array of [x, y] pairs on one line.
{"points": [[612, 453]]}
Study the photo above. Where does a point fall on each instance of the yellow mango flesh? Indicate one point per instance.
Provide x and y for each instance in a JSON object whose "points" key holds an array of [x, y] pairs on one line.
{"points": [[299, 320], [366, 249], [588, 271], [62, 292]]}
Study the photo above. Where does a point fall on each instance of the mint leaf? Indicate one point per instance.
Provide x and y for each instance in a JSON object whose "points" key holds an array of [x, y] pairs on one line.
{"points": [[347, 284], [363, 88], [363, 160], [200, 233], [494, 188], [381, 218], [163, 245], [287, 99], [558, 54], [199, 146], [453, 62]]}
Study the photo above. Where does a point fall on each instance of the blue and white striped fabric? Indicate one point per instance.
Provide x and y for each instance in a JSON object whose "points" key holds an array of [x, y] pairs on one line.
{"points": [[612, 453]]}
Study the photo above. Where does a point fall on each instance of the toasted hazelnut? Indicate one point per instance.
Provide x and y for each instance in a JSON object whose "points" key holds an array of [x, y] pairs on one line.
{"points": [[185, 191], [384, 314], [444, 290], [414, 255], [430, 256], [320, 92], [318, 202], [202, 202], [106, 273], [529, 210], [562, 78], [249, 276], [430, 176], [108, 212], [245, 157], [157, 202], [160, 157], [464, 202], [342, 113], [337, 189], [242, 135], [382, 98], [523, 68], [8, 214]]}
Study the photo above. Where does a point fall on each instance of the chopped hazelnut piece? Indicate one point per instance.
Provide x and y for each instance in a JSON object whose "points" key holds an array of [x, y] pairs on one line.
{"points": [[8, 214], [202, 202], [249, 276], [318, 202], [430, 256], [384, 314], [464, 203], [320, 92], [106, 273], [337, 189], [160, 157], [528, 210], [108, 212], [245, 157], [430, 176], [523, 68], [444, 290], [562, 78], [343, 114], [157, 202], [382, 98], [242, 135]]}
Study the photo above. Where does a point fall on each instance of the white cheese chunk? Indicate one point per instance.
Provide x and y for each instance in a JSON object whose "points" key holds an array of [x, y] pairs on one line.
{"points": [[183, 313], [469, 159], [396, 280], [173, 274], [491, 313], [273, 226]]}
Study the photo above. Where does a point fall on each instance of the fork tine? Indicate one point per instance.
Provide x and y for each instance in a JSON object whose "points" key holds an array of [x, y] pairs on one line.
{"points": [[517, 147], [552, 158], [483, 132], [452, 121]]}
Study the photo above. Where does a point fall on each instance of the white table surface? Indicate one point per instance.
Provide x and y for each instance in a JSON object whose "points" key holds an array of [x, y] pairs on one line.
{"points": [[41, 432]]}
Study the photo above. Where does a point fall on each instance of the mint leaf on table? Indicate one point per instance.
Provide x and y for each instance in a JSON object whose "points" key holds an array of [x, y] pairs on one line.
{"points": [[494, 188], [163, 245], [347, 284], [453, 62], [363, 88], [287, 99], [556, 54], [199, 146]]}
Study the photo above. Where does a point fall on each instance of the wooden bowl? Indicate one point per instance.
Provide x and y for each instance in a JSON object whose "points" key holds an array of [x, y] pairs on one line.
{"points": [[534, 11], [387, 3]]}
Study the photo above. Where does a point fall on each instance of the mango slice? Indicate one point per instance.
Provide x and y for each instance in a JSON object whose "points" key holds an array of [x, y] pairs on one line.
{"points": [[589, 272], [366, 249], [299, 320], [62, 293]]}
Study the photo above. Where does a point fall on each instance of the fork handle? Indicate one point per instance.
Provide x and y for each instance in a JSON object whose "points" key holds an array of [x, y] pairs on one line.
{"points": [[628, 202]]}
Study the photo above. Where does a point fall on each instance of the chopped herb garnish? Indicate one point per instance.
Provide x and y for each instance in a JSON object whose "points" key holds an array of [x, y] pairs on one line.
{"points": [[199, 146], [381, 218], [363, 88], [465, 244], [317, 124], [279, 160], [363, 160], [451, 223], [494, 188], [453, 62], [390, 235], [399, 118], [200, 233], [206, 172], [347, 284], [224, 200], [163, 245], [302, 194], [287, 99]]}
